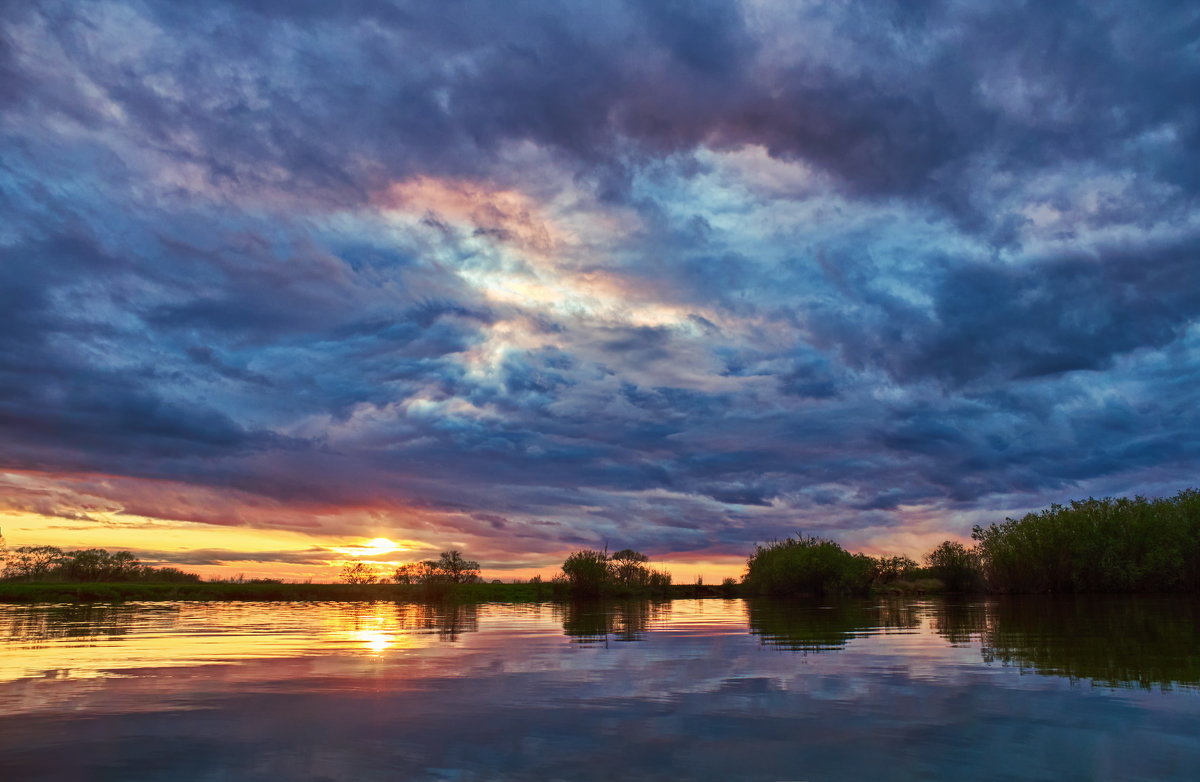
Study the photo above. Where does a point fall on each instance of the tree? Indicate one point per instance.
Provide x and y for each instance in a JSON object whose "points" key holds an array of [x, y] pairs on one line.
{"points": [[628, 567], [587, 571], [955, 565], [32, 563], [893, 568], [449, 568], [96, 564], [358, 573], [456, 569]]}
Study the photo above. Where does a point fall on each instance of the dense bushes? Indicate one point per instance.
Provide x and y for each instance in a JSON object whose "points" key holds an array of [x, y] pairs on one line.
{"points": [[956, 566], [590, 573], [1110, 545], [814, 566]]}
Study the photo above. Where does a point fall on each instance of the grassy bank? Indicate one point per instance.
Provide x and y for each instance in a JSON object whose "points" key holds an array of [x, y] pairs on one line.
{"points": [[466, 593]]}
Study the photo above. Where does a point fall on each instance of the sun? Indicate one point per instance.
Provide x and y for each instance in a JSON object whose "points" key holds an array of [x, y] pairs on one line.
{"points": [[372, 548], [377, 546]]}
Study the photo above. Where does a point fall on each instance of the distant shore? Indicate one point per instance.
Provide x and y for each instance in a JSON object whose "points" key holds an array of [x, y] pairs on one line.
{"points": [[218, 592]]}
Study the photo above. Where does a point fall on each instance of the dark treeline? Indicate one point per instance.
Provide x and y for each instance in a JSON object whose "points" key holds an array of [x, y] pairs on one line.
{"points": [[1109, 545], [585, 574], [33, 564], [816, 566]]}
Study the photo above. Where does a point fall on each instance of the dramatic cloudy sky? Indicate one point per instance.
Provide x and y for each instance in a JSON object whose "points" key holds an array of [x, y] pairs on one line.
{"points": [[277, 278]]}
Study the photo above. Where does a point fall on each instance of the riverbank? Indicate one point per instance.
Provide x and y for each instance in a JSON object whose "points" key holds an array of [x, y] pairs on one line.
{"points": [[217, 592]]}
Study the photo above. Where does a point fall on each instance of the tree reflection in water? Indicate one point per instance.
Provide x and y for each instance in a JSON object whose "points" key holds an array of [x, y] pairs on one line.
{"points": [[83, 622], [448, 620], [594, 623], [814, 627], [1116, 641]]}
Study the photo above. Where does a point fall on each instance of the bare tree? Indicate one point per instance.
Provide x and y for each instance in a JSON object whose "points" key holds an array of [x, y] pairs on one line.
{"points": [[358, 573]]}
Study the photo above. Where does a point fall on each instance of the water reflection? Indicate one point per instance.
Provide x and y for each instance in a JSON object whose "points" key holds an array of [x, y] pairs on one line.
{"points": [[84, 622], [960, 623], [1117, 642], [1112, 641], [594, 623], [712, 689], [808, 627], [447, 621]]}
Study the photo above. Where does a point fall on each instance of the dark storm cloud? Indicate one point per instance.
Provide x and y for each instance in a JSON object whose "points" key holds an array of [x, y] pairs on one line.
{"points": [[992, 321], [687, 275]]}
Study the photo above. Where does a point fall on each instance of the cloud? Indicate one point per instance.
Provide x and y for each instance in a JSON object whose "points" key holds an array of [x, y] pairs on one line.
{"points": [[687, 276]]}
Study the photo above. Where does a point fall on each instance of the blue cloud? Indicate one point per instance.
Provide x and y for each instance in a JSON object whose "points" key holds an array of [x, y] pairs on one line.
{"points": [[675, 274]]}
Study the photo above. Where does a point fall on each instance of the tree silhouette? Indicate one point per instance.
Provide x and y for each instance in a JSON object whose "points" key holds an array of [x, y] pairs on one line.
{"points": [[450, 568], [358, 573]]}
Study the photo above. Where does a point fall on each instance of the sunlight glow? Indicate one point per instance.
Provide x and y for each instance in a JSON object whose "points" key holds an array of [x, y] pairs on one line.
{"points": [[372, 548]]}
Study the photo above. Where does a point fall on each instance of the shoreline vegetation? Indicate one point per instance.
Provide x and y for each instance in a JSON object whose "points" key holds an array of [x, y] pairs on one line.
{"points": [[1118, 546]]}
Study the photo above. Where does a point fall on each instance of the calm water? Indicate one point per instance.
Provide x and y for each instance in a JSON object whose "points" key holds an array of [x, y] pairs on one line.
{"points": [[1032, 689]]}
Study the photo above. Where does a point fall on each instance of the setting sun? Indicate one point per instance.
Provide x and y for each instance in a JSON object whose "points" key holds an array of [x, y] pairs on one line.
{"points": [[371, 548]]}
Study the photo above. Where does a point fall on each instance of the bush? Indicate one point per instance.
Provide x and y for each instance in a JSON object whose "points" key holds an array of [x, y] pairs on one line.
{"points": [[729, 587], [1109, 545], [589, 573], [807, 566], [956, 566]]}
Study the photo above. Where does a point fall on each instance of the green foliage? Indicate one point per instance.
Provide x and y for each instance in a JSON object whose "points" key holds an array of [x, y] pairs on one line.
{"points": [[888, 569], [1109, 545], [807, 566], [956, 566], [628, 567], [589, 573]]}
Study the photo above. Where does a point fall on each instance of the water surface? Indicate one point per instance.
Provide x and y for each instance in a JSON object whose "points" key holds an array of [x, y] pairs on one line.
{"points": [[707, 689]]}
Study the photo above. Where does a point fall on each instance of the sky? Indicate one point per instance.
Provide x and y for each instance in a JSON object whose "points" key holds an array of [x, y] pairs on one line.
{"points": [[280, 278]]}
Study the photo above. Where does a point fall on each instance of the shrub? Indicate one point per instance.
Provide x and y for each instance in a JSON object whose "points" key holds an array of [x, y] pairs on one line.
{"points": [[814, 566], [589, 573], [1109, 545], [956, 566]]}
